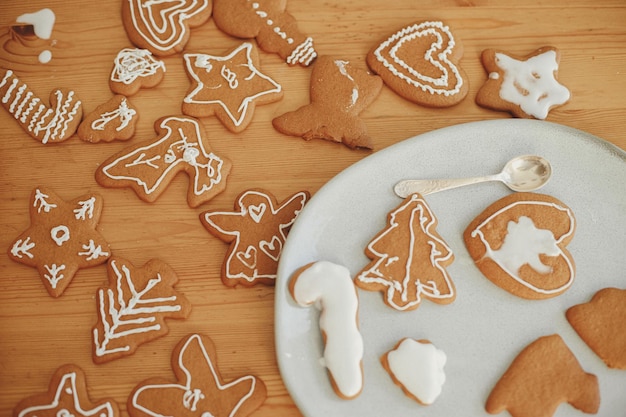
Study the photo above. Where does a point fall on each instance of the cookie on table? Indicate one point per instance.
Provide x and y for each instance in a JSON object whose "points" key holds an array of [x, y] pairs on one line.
{"points": [[133, 307], [420, 62], [256, 229], [134, 69], [339, 92], [199, 388], [61, 239], [148, 167], [600, 323], [67, 396], [526, 86], [163, 27], [416, 366], [228, 86], [329, 287], [275, 30], [519, 243], [51, 123], [113, 120], [409, 259], [542, 376]]}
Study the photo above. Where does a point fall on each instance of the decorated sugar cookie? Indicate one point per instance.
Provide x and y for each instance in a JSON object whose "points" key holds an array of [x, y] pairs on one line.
{"points": [[134, 69], [61, 239], [113, 120], [256, 230]]}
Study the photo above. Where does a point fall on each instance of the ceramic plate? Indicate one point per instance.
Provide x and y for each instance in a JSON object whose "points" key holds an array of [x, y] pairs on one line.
{"points": [[483, 330]]}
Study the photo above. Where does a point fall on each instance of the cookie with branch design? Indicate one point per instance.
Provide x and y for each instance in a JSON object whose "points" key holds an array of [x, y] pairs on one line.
{"points": [[61, 239], [134, 69], [113, 120], [132, 309], [199, 390]]}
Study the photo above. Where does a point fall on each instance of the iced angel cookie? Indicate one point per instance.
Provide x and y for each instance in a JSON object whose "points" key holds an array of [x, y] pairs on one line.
{"points": [[600, 323], [420, 62], [228, 86], [409, 259], [67, 396], [256, 230], [133, 307], [61, 239], [541, 377], [134, 69], [523, 86], [163, 27], [148, 167], [113, 120], [46, 123], [339, 92], [519, 243], [416, 366], [199, 389], [275, 30], [329, 286]]}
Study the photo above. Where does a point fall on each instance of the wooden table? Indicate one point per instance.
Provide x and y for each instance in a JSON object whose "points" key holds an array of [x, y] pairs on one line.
{"points": [[39, 333]]}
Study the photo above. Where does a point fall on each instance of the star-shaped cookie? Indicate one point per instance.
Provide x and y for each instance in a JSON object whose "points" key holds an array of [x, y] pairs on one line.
{"points": [[62, 238], [256, 230], [66, 396], [199, 390], [228, 87]]}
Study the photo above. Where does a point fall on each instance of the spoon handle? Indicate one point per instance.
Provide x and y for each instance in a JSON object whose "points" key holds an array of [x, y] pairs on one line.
{"points": [[407, 187]]}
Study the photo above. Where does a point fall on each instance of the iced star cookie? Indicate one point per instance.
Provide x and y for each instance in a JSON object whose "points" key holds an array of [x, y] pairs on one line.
{"points": [[51, 123], [134, 69], [416, 366], [524, 86], [67, 396], [148, 167], [133, 307], [420, 62], [600, 323], [519, 243], [339, 92], [542, 376], [256, 230], [228, 86], [275, 30], [409, 259], [329, 287], [113, 120], [61, 239], [163, 27], [199, 389]]}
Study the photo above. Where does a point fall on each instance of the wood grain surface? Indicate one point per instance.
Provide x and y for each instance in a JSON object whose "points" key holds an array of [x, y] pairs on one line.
{"points": [[39, 333]]}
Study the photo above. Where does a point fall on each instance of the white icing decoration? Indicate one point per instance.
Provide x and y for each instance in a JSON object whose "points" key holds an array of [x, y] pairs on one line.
{"points": [[329, 287], [60, 234], [42, 21], [124, 113], [54, 274], [341, 65], [23, 247], [303, 53], [45, 56], [130, 64], [92, 251], [85, 209], [41, 199]]}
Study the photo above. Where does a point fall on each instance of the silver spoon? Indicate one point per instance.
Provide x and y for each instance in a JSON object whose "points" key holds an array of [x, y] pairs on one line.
{"points": [[523, 173]]}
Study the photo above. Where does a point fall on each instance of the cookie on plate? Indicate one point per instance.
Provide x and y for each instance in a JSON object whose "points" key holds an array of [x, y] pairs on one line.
{"points": [[113, 120]]}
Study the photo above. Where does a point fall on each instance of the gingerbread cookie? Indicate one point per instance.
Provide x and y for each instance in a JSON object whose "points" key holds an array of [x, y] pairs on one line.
{"points": [[519, 243], [133, 307], [420, 62], [62, 238], [228, 86], [339, 92], [600, 323], [329, 287], [409, 259], [134, 69], [523, 86], [163, 27], [67, 396], [148, 167], [47, 124], [416, 366], [199, 389], [275, 30], [542, 376], [113, 120], [256, 230]]}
